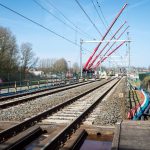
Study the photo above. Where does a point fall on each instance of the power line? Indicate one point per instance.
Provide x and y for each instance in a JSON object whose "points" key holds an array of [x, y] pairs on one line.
{"points": [[88, 18], [106, 26], [102, 20], [42, 7], [98, 14], [102, 12], [38, 24], [103, 16], [68, 19]]}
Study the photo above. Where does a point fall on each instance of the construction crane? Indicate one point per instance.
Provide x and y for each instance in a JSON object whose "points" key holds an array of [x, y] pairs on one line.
{"points": [[103, 59], [100, 61], [85, 68], [105, 46]]}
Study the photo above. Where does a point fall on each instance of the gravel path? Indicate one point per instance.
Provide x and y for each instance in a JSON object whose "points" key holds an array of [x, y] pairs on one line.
{"points": [[28, 109], [112, 108]]}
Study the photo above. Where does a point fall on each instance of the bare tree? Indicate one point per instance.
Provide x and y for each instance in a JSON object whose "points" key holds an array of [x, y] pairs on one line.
{"points": [[8, 51], [46, 65], [76, 68], [60, 65], [28, 59]]}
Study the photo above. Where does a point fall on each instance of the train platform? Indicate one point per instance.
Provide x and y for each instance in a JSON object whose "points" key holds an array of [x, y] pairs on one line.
{"points": [[132, 135]]}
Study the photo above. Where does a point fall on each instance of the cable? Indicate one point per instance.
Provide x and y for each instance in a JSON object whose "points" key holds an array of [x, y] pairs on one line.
{"points": [[38, 24], [42, 7], [102, 12], [98, 14], [88, 17], [68, 19], [106, 26], [103, 16]]}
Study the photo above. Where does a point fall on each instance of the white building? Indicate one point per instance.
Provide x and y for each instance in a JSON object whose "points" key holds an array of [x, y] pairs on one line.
{"points": [[36, 73]]}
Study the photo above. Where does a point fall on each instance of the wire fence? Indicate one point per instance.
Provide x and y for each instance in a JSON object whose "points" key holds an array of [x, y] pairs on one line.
{"points": [[16, 82]]}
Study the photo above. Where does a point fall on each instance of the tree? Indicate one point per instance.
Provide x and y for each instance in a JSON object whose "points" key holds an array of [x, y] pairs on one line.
{"points": [[28, 59], [8, 52], [60, 66], [46, 65], [76, 68], [146, 83]]}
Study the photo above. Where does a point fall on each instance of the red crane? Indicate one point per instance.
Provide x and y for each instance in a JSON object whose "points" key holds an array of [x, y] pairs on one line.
{"points": [[90, 58], [90, 65], [113, 51], [109, 54], [98, 63]]}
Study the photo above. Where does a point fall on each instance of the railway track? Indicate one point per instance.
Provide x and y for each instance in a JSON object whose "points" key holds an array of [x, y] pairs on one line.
{"points": [[82, 109], [9, 101]]}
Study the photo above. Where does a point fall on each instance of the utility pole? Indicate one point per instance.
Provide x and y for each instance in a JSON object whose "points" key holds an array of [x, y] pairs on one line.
{"points": [[129, 52], [100, 65], [81, 42]]}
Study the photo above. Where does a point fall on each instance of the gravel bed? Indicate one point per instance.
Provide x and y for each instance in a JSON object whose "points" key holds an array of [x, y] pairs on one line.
{"points": [[76, 108], [32, 95], [28, 109], [113, 108]]}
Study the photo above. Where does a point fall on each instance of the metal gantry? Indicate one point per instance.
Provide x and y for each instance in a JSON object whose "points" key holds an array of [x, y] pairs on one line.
{"points": [[104, 57]]}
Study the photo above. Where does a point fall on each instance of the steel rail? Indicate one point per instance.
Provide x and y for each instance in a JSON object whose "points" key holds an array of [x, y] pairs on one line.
{"points": [[62, 136], [34, 92], [7, 133], [16, 102]]}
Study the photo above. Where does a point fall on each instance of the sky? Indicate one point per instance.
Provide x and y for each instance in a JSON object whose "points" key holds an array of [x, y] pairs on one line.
{"points": [[48, 45]]}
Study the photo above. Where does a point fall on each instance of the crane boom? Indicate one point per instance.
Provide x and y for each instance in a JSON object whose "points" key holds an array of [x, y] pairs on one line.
{"points": [[113, 51], [90, 65], [88, 61], [98, 63], [109, 54]]}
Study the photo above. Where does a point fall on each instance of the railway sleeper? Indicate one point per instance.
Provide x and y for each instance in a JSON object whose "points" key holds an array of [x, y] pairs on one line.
{"points": [[59, 139], [38, 95], [4, 135], [43, 90], [22, 139]]}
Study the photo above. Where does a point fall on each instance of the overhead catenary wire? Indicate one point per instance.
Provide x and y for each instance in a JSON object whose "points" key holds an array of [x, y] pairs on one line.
{"points": [[102, 13], [60, 20], [88, 17], [42, 7], [73, 24], [98, 14], [106, 26], [104, 18], [42, 26]]}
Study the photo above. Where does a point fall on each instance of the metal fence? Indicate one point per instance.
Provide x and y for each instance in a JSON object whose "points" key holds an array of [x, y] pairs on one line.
{"points": [[31, 82]]}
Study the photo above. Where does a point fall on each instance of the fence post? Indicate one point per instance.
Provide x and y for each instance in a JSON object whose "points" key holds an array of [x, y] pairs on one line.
{"points": [[28, 84], [15, 86], [8, 87], [38, 84], [47, 82]]}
